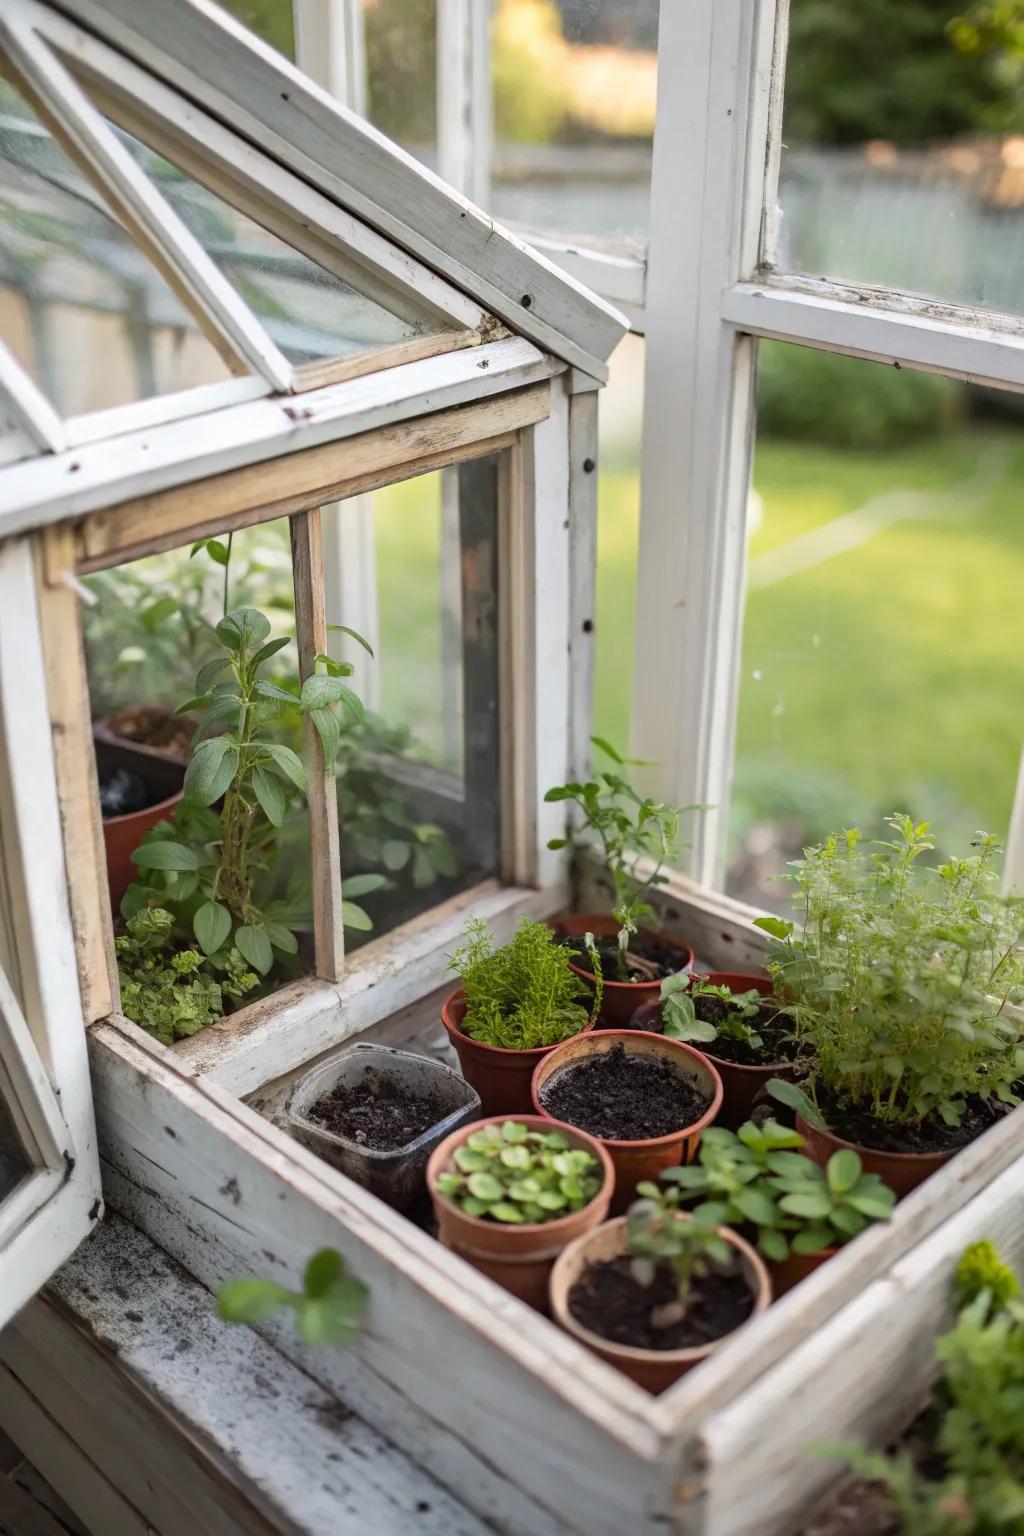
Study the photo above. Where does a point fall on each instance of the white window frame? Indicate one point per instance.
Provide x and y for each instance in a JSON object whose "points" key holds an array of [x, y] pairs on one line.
{"points": [[712, 290], [44, 1074]]}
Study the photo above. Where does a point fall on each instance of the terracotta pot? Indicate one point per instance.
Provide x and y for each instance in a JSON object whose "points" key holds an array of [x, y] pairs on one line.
{"points": [[122, 835], [620, 999], [500, 1077], [139, 755], [519, 1258], [902, 1171], [654, 1369], [640, 1159], [741, 1084], [796, 1268]]}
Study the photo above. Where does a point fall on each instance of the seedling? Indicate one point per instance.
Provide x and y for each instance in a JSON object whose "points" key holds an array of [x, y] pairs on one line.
{"points": [[328, 1309], [630, 829], [512, 1174], [662, 1237], [525, 994], [757, 1177], [679, 1014]]}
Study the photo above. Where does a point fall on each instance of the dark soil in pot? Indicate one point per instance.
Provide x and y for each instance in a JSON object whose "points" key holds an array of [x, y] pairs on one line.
{"points": [[623, 1097], [122, 793], [648, 957], [931, 1135], [609, 1302], [378, 1112], [151, 725]]}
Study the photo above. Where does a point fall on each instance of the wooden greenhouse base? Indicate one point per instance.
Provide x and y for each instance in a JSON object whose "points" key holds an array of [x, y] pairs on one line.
{"points": [[532, 1432]]}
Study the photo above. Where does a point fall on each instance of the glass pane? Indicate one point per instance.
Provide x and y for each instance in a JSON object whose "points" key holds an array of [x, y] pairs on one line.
{"points": [[574, 95], [882, 647], [148, 635], [270, 19], [81, 308], [309, 312], [401, 72], [620, 424], [13, 1162], [903, 157], [419, 779]]}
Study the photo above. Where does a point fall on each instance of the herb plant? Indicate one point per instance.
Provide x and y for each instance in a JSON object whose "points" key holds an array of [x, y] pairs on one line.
{"points": [[679, 1016], [327, 1310], [901, 976], [174, 992], [211, 880], [758, 1177], [630, 830], [661, 1237], [512, 1174], [525, 994], [974, 1482]]}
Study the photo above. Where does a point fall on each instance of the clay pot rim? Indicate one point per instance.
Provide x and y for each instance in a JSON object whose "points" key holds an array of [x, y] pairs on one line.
{"points": [[902, 1159], [613, 1036], [528, 1228], [708, 1051], [147, 810], [627, 986], [560, 1303], [533, 1052]]}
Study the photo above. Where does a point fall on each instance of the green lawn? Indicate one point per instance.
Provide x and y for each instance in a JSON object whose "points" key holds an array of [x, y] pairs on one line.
{"points": [[891, 674]]}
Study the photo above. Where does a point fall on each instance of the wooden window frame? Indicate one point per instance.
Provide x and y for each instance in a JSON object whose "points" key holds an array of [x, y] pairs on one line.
{"points": [[712, 290]]}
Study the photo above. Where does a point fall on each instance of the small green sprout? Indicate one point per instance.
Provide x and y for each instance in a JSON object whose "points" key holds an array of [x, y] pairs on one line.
{"points": [[662, 1237], [679, 1013], [328, 1309], [512, 1174]]}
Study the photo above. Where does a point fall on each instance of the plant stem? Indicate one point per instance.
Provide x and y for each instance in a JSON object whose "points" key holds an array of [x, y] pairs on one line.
{"points": [[227, 573]]}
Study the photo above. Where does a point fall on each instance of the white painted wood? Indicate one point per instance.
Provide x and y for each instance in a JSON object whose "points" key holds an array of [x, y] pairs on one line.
{"points": [[49, 998], [884, 326], [212, 59], [141, 414], [618, 275], [240, 1054], [1013, 861], [25, 406], [529, 1423], [707, 189], [252, 181], [246, 1445], [63, 105], [330, 47], [86, 478], [583, 473], [860, 1377], [465, 106]]}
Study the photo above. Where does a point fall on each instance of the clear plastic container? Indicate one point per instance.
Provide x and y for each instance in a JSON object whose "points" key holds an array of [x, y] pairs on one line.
{"points": [[396, 1176]]}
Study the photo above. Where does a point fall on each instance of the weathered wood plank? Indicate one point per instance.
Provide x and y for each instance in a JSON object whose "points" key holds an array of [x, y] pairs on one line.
{"points": [[322, 797], [528, 1409]]}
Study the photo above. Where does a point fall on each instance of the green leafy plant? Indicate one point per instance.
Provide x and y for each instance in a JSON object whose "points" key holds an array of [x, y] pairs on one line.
{"points": [[974, 1481], [512, 1174], [328, 1309], [210, 880], [632, 830], [679, 1015], [661, 1237], [900, 977], [175, 993], [981, 1269], [758, 1177], [525, 994]]}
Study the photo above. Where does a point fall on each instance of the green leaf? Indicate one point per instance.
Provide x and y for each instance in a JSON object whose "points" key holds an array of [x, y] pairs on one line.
{"points": [[353, 916], [211, 926], [484, 1186], [318, 691], [795, 1098], [607, 749], [217, 551], [698, 1029], [164, 853], [362, 885], [201, 701], [812, 1240], [266, 651], [322, 1271], [267, 789], [842, 1170], [213, 765], [778, 927], [243, 629], [250, 1301], [333, 667], [154, 614], [209, 672], [253, 944], [343, 629], [504, 1210], [289, 763], [877, 1207], [813, 1205], [265, 690], [395, 855], [773, 1244], [282, 938], [328, 730], [755, 1206]]}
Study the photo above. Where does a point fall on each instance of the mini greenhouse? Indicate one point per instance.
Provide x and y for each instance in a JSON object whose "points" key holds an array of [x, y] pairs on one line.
{"points": [[418, 1110]]}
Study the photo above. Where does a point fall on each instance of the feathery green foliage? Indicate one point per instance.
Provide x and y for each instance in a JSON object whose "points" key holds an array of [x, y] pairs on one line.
{"points": [[174, 992], [900, 977], [512, 1174], [981, 1269], [525, 994]]}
